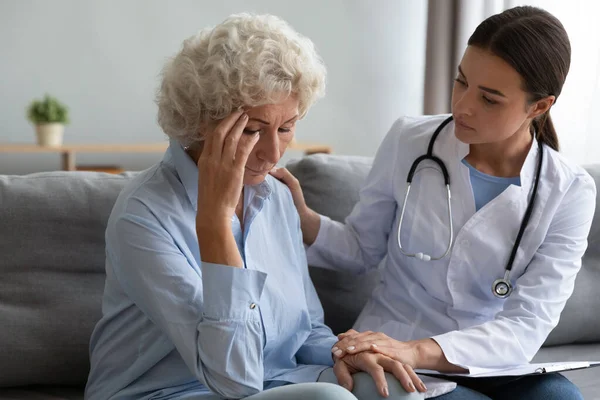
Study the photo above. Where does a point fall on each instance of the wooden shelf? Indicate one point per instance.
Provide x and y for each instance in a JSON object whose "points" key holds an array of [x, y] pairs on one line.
{"points": [[68, 151], [85, 148]]}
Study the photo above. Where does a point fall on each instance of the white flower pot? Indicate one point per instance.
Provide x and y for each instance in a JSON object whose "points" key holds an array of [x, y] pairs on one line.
{"points": [[50, 135]]}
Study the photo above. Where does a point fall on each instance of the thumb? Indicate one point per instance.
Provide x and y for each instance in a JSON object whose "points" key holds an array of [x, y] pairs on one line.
{"points": [[342, 373]]}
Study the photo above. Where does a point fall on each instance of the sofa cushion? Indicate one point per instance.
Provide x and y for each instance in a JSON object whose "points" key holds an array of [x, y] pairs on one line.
{"points": [[579, 322], [52, 269], [331, 187]]}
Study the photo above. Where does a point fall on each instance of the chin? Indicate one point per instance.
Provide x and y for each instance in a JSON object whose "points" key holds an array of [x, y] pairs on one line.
{"points": [[253, 179], [466, 136]]}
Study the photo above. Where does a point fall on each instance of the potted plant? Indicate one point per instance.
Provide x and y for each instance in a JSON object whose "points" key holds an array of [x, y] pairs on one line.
{"points": [[50, 118]]}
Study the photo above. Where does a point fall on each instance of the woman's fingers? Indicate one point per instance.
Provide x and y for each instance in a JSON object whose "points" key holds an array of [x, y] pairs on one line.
{"points": [[215, 139], [409, 380], [415, 378], [231, 140], [355, 343], [348, 332], [244, 147], [343, 375], [284, 175], [377, 372]]}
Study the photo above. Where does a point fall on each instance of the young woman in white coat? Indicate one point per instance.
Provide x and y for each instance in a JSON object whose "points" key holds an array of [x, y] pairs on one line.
{"points": [[457, 294]]}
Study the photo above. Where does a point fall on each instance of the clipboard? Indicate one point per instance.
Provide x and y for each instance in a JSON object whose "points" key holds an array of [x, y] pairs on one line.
{"points": [[520, 370]]}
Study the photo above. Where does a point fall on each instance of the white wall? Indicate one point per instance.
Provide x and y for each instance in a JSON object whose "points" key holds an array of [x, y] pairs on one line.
{"points": [[102, 58]]}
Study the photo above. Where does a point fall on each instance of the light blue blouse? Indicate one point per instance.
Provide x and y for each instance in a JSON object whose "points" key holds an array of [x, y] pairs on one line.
{"points": [[173, 326]]}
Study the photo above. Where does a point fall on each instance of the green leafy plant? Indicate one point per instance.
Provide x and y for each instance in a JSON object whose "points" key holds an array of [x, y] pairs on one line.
{"points": [[47, 111]]}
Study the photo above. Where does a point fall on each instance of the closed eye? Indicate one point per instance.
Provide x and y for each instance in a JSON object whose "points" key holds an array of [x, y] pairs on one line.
{"points": [[488, 100], [252, 132]]}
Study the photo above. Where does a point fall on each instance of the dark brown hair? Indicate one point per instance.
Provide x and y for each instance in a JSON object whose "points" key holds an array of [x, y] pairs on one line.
{"points": [[536, 45]]}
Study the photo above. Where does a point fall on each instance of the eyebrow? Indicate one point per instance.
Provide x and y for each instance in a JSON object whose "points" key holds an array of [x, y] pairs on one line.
{"points": [[486, 89], [267, 123]]}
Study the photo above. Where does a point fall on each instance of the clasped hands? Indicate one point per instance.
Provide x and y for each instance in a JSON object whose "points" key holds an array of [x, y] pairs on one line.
{"points": [[375, 353]]}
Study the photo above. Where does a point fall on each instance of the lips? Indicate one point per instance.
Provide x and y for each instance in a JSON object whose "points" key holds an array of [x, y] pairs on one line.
{"points": [[263, 172], [462, 125]]}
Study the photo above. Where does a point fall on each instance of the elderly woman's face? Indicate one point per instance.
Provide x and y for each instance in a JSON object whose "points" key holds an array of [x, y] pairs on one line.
{"points": [[276, 124]]}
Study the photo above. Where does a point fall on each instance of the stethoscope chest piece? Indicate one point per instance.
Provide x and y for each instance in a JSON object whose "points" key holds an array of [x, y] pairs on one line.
{"points": [[502, 288]]}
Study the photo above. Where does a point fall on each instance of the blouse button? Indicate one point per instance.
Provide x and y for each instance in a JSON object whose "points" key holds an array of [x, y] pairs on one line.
{"points": [[252, 306]]}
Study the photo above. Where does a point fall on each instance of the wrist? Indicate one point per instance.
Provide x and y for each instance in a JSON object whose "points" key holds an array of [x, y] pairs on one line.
{"points": [[427, 353], [218, 246], [310, 223]]}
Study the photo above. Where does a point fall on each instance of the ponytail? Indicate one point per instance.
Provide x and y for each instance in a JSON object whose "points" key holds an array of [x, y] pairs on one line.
{"points": [[545, 131]]}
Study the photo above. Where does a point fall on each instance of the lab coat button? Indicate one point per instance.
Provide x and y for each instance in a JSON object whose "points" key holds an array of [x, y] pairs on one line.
{"points": [[252, 306]]}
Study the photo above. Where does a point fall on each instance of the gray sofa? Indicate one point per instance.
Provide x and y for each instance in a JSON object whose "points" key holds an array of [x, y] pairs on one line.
{"points": [[52, 276]]}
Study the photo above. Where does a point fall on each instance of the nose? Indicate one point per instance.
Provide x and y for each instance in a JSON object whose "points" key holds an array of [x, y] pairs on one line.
{"points": [[463, 103], [267, 148]]}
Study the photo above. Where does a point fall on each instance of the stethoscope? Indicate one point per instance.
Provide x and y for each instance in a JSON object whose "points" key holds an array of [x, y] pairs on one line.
{"points": [[501, 288]]}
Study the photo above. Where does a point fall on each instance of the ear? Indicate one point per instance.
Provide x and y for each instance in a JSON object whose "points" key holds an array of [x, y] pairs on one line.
{"points": [[541, 106]]}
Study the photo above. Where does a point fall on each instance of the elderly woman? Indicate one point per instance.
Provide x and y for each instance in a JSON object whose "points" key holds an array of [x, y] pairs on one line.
{"points": [[207, 291]]}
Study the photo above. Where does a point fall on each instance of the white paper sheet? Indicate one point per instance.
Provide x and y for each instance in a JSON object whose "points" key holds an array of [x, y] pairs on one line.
{"points": [[527, 369]]}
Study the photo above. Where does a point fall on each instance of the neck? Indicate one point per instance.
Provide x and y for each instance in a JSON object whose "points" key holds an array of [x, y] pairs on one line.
{"points": [[502, 159]]}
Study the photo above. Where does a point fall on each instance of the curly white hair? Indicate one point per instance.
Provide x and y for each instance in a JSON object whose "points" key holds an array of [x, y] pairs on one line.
{"points": [[247, 60]]}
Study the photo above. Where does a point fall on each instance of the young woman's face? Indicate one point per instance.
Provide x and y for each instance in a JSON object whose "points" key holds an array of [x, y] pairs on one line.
{"points": [[488, 102]]}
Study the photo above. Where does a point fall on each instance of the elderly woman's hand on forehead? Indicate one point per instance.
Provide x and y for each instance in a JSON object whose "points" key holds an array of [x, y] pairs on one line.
{"points": [[221, 169]]}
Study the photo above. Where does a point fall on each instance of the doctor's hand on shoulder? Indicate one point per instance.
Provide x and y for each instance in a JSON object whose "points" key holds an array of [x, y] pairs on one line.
{"points": [[416, 354], [310, 221]]}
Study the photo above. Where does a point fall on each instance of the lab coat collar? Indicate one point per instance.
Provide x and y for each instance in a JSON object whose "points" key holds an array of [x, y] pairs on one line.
{"points": [[528, 170]]}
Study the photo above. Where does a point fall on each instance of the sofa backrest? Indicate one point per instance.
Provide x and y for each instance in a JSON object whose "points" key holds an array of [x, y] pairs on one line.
{"points": [[52, 266], [51, 273]]}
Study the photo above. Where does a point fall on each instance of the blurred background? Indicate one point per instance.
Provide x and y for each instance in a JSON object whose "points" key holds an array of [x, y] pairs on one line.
{"points": [[385, 59]]}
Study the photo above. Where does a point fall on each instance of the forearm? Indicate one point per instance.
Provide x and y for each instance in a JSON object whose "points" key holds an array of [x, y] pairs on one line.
{"points": [[217, 244], [429, 355], [310, 223], [339, 247]]}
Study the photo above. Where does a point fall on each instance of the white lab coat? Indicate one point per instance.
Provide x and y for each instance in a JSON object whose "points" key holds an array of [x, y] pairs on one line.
{"points": [[451, 299]]}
